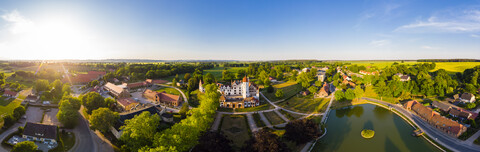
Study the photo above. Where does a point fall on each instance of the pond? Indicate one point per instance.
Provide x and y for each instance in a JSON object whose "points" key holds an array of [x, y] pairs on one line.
{"points": [[392, 133]]}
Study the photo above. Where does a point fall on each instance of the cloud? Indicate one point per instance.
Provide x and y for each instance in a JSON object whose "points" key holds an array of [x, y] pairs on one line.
{"points": [[465, 21], [17, 23], [429, 47], [475, 35], [379, 43]]}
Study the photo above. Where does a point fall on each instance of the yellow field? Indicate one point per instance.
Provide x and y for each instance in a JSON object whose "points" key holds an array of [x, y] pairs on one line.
{"points": [[455, 66], [448, 66]]}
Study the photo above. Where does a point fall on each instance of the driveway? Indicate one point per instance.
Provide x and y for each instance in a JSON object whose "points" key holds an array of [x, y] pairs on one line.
{"points": [[50, 118], [34, 114]]}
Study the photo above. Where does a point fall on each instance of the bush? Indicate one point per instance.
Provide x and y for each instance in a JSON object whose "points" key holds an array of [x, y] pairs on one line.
{"points": [[366, 133], [25, 146]]}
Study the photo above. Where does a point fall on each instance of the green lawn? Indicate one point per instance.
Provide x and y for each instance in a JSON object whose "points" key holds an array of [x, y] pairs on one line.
{"points": [[7, 106], [236, 129], [264, 106], [290, 88], [68, 142], [273, 118], [306, 104], [168, 90]]}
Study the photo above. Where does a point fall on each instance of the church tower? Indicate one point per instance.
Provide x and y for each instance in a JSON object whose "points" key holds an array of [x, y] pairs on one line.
{"points": [[245, 86]]}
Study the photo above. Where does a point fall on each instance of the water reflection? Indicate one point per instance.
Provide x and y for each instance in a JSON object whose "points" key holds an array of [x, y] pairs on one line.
{"points": [[381, 113], [349, 111]]}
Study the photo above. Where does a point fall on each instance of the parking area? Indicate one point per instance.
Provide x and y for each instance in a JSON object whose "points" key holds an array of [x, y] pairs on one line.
{"points": [[139, 97], [43, 146], [34, 114], [50, 117]]}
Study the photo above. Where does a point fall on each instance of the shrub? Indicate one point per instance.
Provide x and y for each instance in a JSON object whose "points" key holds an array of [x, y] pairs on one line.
{"points": [[366, 133]]}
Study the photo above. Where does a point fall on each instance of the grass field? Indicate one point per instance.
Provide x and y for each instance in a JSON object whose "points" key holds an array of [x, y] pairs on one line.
{"points": [[235, 128], [305, 104], [289, 89], [379, 64], [7, 106], [273, 118], [455, 66], [168, 90], [264, 106]]}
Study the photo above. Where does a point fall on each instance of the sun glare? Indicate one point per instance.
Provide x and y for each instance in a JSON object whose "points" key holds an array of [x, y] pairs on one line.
{"points": [[56, 38]]}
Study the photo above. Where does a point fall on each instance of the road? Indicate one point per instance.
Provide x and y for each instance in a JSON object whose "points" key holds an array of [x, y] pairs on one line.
{"points": [[445, 140]]}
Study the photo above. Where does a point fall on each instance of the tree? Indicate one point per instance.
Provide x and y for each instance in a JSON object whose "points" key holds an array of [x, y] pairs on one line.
{"points": [[102, 119], [302, 130], [18, 112], [66, 88], [279, 93], [358, 92], [212, 141], [187, 77], [349, 94], [183, 111], [208, 78], [339, 95], [470, 88], [312, 89], [140, 130], [92, 101], [174, 82], [471, 105], [8, 120], [264, 141], [41, 85], [270, 89], [68, 111], [25, 146]]}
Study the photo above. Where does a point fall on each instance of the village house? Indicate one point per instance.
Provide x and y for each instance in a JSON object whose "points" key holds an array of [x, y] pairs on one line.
{"points": [[467, 98], [32, 98], [305, 93], [368, 73], [272, 79], [321, 75], [11, 94], [40, 132], [442, 106], [119, 91], [238, 94], [127, 103], [163, 97], [435, 119], [306, 70], [324, 91], [403, 77]]}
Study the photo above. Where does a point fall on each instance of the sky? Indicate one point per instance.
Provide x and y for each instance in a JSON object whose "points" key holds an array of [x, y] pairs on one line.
{"points": [[239, 29]]}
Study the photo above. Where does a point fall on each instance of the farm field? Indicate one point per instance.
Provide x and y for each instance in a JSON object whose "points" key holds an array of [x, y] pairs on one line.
{"points": [[290, 88], [455, 66], [305, 104], [273, 118], [236, 129], [379, 64]]}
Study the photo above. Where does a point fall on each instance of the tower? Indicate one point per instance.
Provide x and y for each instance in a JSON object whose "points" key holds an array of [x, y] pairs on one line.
{"points": [[245, 87]]}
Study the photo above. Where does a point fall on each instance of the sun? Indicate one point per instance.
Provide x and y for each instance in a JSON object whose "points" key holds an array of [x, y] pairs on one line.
{"points": [[54, 38]]}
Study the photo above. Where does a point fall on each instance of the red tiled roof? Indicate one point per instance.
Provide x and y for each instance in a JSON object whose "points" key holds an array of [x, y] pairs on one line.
{"points": [[167, 97], [126, 101], [136, 85], [11, 93]]}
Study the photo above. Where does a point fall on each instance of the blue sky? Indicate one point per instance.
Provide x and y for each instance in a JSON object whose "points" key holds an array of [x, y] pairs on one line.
{"points": [[240, 29]]}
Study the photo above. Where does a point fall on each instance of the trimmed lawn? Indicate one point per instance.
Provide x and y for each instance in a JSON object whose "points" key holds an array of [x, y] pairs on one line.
{"points": [[168, 90], [258, 120], [68, 142], [273, 118], [306, 104], [290, 116], [264, 106], [7, 106], [236, 129], [290, 88]]}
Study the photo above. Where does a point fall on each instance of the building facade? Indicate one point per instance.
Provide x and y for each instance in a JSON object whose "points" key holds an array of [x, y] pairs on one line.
{"points": [[239, 94]]}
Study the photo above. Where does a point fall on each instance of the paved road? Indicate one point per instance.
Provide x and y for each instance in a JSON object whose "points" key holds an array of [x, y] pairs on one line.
{"points": [[217, 121], [251, 123], [83, 137], [10, 131], [450, 142]]}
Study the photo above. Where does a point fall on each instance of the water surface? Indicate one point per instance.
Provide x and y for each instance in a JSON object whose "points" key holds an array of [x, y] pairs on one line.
{"points": [[392, 133]]}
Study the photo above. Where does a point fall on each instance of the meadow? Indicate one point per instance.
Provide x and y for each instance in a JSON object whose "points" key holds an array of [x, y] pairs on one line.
{"points": [[448, 66]]}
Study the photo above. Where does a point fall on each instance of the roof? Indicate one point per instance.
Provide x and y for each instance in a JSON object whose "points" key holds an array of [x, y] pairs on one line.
{"points": [[245, 79], [467, 96], [126, 101], [156, 81], [31, 97], [167, 115], [136, 85], [113, 87], [447, 124], [441, 105], [11, 93], [40, 130], [149, 93], [167, 97]]}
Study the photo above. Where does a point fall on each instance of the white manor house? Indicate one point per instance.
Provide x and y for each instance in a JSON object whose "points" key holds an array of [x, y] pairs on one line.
{"points": [[238, 94]]}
